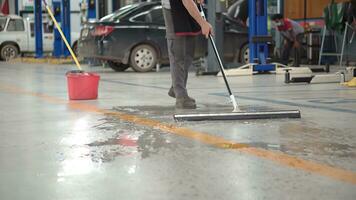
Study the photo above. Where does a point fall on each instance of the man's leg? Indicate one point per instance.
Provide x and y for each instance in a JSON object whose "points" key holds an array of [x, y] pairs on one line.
{"points": [[176, 52], [286, 51], [174, 45], [178, 72], [188, 60], [189, 55], [297, 51]]}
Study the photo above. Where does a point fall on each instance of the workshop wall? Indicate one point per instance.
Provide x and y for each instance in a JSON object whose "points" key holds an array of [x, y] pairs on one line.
{"points": [[294, 9]]}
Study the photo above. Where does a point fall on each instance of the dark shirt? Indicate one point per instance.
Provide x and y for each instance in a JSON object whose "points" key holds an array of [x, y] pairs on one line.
{"points": [[183, 23]]}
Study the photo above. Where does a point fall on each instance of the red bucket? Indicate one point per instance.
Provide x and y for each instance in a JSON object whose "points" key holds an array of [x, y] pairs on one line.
{"points": [[82, 86]]}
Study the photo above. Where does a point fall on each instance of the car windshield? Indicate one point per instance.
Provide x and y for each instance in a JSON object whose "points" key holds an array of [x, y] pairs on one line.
{"points": [[2, 23], [119, 13]]}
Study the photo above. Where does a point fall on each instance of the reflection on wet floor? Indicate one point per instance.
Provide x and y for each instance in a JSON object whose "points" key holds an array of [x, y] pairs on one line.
{"points": [[117, 138], [127, 139]]}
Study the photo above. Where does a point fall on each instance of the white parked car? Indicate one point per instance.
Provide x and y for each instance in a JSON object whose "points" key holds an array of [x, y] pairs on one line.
{"points": [[17, 37]]}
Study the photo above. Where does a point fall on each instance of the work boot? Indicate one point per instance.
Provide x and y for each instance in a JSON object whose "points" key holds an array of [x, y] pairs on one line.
{"points": [[172, 94], [185, 103]]}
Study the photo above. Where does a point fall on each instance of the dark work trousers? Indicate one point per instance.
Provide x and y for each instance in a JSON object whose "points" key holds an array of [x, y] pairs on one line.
{"points": [[288, 46], [181, 53]]}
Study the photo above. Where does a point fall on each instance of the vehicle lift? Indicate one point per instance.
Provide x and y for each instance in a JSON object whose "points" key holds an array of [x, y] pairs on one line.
{"points": [[65, 25], [91, 9], [258, 38], [38, 28], [58, 44], [62, 14]]}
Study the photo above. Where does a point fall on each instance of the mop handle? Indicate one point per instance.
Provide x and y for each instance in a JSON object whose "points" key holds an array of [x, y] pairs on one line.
{"points": [[232, 97], [62, 35], [216, 53]]}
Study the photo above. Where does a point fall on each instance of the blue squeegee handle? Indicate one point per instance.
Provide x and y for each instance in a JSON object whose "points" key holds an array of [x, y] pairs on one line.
{"points": [[216, 54]]}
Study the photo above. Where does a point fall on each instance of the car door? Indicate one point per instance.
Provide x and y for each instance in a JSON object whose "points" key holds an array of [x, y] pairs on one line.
{"points": [[155, 32], [16, 32], [47, 37], [31, 40]]}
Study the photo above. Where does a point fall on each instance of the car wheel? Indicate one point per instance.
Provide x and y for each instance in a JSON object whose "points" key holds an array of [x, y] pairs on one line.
{"points": [[143, 58], [245, 54], [8, 52], [117, 67]]}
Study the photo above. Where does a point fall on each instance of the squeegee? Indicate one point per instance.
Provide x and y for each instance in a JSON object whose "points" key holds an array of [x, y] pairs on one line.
{"points": [[236, 114]]}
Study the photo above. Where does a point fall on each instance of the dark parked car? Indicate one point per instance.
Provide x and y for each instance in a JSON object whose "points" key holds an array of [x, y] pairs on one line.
{"points": [[135, 36]]}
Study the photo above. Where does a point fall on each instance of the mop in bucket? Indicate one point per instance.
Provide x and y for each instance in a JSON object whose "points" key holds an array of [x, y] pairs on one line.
{"points": [[81, 85]]}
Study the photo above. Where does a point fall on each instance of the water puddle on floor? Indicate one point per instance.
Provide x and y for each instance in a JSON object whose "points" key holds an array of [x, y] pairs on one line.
{"points": [[296, 136], [112, 138], [126, 139]]}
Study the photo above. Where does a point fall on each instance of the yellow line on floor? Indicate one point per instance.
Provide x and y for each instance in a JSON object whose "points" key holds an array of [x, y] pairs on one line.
{"points": [[280, 158]]}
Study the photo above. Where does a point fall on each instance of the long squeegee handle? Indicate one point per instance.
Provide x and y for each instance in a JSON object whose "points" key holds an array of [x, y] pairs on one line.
{"points": [[216, 53]]}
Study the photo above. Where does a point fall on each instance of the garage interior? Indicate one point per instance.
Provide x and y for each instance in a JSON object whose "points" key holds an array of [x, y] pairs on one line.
{"points": [[125, 144]]}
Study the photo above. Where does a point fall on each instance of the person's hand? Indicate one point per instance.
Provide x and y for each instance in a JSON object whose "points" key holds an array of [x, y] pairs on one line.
{"points": [[200, 1], [296, 44], [206, 29]]}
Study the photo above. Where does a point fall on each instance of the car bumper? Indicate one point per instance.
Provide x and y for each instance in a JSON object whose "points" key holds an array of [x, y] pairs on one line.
{"points": [[103, 49]]}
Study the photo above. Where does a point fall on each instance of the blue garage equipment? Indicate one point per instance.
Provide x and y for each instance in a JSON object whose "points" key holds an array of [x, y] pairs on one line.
{"points": [[58, 44], [38, 28], [91, 9], [258, 36], [66, 24]]}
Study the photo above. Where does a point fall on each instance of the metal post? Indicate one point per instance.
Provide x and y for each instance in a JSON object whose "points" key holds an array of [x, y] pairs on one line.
{"points": [[258, 28], [38, 28], [91, 9], [322, 45], [57, 43], [252, 29], [102, 8], [115, 5], [343, 45], [65, 12], [16, 7], [215, 19]]}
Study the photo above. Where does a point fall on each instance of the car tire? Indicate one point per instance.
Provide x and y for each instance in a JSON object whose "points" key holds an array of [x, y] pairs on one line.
{"points": [[8, 52], [117, 67], [143, 58], [245, 54]]}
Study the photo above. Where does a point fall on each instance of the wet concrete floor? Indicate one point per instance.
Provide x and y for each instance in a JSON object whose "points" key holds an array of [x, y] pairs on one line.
{"points": [[126, 145]]}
